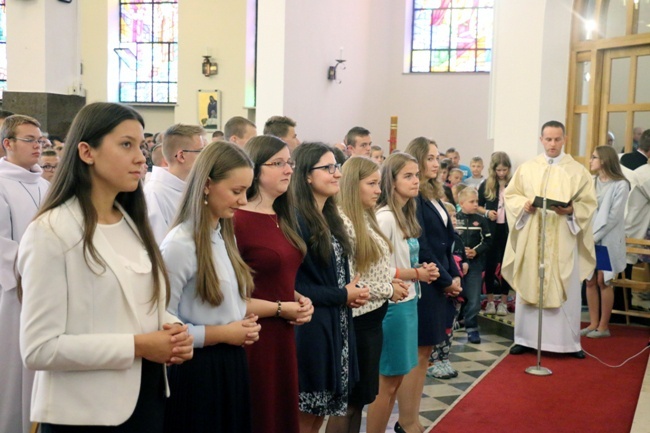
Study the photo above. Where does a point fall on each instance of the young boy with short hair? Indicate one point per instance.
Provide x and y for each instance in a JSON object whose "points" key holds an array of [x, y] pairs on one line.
{"points": [[377, 154], [475, 233], [455, 176], [476, 167]]}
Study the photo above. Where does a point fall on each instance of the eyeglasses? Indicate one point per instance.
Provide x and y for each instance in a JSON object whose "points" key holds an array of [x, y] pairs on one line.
{"points": [[49, 167], [331, 168], [41, 141], [281, 164], [191, 150]]}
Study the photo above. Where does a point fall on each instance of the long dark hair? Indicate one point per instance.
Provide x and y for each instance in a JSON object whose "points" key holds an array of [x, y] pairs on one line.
{"points": [[260, 149], [73, 179], [321, 225]]}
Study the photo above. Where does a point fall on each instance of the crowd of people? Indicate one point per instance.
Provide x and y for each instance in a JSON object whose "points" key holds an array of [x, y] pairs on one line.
{"points": [[257, 283]]}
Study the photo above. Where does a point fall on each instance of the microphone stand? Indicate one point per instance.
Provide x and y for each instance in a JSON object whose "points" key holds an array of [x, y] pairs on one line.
{"points": [[538, 370]]}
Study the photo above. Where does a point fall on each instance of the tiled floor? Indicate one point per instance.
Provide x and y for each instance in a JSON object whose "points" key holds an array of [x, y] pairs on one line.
{"points": [[471, 361]]}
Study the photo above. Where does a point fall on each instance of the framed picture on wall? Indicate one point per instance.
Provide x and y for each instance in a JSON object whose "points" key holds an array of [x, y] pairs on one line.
{"points": [[210, 109]]}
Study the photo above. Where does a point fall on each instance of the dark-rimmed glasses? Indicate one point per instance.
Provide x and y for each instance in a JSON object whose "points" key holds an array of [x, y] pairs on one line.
{"points": [[331, 168], [49, 167]]}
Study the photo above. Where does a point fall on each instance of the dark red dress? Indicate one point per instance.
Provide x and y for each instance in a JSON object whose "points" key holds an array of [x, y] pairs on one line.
{"points": [[272, 360]]}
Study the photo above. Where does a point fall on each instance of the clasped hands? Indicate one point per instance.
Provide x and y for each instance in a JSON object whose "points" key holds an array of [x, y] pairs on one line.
{"points": [[298, 312], [454, 289], [357, 295], [171, 345]]}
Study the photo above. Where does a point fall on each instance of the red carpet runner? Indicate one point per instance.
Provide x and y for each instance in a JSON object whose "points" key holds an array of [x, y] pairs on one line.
{"points": [[580, 395]]}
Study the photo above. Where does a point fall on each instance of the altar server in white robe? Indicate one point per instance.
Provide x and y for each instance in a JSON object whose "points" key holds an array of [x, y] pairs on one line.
{"points": [[21, 191], [568, 250], [164, 188]]}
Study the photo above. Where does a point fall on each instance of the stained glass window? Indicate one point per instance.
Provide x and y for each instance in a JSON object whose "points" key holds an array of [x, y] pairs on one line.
{"points": [[148, 51], [3, 48], [451, 36]]}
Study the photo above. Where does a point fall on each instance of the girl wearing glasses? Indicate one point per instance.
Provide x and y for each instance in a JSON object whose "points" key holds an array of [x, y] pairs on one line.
{"points": [[269, 243], [210, 290], [94, 327], [327, 362], [612, 189]]}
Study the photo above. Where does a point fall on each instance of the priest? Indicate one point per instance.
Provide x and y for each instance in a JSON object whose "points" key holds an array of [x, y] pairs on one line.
{"points": [[568, 245]]}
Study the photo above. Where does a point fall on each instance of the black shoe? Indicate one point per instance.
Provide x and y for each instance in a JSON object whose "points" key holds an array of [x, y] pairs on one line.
{"points": [[580, 354], [518, 349], [398, 428]]}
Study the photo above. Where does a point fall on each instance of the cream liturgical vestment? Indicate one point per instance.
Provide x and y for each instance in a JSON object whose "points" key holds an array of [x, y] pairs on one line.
{"points": [[568, 250], [21, 194]]}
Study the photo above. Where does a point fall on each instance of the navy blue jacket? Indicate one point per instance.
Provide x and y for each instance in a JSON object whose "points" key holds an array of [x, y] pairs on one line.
{"points": [[319, 343], [436, 241]]}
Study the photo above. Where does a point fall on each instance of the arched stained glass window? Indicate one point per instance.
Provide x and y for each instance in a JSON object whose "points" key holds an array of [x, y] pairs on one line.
{"points": [[148, 51], [3, 48], [451, 36]]}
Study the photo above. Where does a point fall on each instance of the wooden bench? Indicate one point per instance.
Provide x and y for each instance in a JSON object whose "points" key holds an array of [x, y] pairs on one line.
{"points": [[639, 282]]}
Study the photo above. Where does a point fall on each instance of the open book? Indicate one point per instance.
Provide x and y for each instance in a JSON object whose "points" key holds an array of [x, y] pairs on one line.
{"points": [[539, 201]]}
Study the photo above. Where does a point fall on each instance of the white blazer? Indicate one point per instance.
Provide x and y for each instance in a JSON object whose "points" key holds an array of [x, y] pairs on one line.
{"points": [[77, 324]]}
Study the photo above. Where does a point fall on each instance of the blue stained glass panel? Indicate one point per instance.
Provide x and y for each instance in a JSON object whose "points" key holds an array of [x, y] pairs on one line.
{"points": [[127, 92], [422, 30], [3, 62], [143, 92], [160, 92], [173, 92], [173, 62]]}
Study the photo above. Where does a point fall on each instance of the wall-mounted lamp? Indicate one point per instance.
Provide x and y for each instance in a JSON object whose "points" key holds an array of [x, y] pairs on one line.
{"points": [[208, 68], [331, 71]]}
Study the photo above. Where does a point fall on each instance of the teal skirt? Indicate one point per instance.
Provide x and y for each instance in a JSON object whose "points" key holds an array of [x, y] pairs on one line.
{"points": [[399, 353]]}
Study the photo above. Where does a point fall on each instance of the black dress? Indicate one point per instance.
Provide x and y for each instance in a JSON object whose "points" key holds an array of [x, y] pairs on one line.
{"points": [[327, 361]]}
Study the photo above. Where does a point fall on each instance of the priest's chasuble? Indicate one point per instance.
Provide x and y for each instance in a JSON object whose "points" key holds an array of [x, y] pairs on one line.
{"points": [[565, 180]]}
